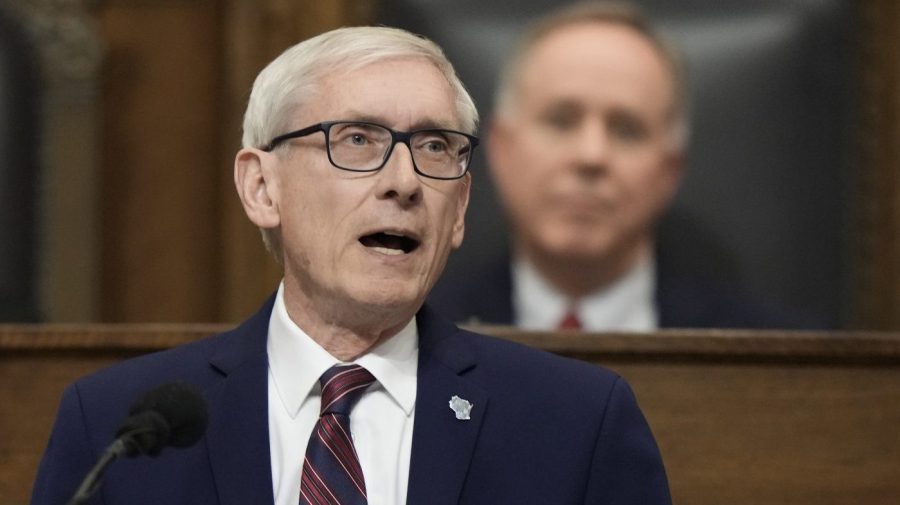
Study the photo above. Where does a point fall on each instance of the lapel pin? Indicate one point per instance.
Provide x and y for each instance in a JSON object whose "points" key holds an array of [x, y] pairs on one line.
{"points": [[461, 408]]}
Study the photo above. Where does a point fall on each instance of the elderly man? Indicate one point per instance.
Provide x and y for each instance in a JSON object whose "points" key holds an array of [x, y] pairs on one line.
{"points": [[344, 388], [586, 149]]}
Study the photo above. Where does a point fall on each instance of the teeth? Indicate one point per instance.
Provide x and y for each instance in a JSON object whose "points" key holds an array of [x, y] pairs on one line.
{"points": [[391, 252]]}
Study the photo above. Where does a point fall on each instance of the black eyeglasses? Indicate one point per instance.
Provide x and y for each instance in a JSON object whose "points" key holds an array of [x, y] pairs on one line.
{"points": [[361, 146]]}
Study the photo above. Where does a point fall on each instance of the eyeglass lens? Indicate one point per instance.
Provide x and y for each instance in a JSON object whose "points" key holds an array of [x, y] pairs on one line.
{"points": [[361, 146]]}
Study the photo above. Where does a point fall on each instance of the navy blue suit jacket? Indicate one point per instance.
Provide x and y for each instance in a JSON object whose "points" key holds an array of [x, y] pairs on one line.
{"points": [[484, 295], [543, 429]]}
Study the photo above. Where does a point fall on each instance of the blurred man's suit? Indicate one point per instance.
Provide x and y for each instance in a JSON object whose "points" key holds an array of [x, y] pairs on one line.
{"points": [[484, 295]]}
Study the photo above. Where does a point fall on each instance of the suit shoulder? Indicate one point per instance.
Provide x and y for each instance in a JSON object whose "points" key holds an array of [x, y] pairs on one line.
{"points": [[479, 293], [527, 365], [187, 362]]}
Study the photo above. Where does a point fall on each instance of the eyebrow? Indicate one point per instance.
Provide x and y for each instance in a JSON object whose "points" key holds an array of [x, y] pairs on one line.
{"points": [[421, 124]]}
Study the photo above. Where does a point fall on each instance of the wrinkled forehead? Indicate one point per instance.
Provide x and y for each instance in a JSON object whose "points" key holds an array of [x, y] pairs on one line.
{"points": [[397, 92]]}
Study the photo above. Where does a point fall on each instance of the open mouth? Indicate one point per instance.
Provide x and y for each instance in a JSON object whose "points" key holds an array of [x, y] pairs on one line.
{"points": [[389, 243]]}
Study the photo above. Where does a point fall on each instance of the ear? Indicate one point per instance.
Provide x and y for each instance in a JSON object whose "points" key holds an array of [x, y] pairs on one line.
{"points": [[674, 171], [257, 186], [462, 203], [497, 146]]}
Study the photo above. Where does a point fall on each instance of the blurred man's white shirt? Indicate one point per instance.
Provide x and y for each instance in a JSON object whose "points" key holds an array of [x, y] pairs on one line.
{"points": [[625, 305]]}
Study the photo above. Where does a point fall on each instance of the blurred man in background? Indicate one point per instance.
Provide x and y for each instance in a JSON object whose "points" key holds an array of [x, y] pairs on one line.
{"points": [[586, 148]]}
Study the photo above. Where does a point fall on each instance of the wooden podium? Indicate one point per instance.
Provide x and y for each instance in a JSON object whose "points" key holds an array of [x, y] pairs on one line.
{"points": [[741, 417]]}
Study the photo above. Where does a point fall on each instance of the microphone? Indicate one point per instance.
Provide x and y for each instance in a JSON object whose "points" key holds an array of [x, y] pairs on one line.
{"points": [[172, 414]]}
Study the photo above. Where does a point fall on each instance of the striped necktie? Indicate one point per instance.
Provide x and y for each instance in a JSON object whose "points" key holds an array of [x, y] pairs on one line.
{"points": [[331, 471]]}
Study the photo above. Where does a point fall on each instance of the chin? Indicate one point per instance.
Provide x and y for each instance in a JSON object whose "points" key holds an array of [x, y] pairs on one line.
{"points": [[578, 246], [390, 298]]}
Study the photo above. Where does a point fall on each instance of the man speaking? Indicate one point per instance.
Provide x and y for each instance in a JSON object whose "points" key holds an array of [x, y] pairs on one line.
{"points": [[344, 388]]}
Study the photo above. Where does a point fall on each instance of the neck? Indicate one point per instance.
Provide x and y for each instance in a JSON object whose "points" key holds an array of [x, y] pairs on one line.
{"points": [[576, 277], [345, 338], [346, 344]]}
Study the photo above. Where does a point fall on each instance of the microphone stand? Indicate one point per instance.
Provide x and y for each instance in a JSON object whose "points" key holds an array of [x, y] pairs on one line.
{"points": [[122, 446], [149, 429]]}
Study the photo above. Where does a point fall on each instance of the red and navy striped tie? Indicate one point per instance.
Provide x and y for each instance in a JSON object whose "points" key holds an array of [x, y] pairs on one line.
{"points": [[331, 471]]}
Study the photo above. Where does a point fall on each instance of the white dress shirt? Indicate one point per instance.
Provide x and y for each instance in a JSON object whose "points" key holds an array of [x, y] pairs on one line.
{"points": [[381, 423], [626, 305]]}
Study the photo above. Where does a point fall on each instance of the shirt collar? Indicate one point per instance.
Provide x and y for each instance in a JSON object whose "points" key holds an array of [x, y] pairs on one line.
{"points": [[626, 304], [296, 361]]}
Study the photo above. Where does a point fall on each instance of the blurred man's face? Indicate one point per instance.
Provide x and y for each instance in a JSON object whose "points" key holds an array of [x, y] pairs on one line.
{"points": [[364, 245], [585, 162]]}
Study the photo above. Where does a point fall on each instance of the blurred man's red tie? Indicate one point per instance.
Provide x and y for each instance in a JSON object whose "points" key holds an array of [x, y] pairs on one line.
{"points": [[570, 321]]}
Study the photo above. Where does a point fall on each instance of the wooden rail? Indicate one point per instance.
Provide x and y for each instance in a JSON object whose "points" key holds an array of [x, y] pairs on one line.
{"points": [[742, 417]]}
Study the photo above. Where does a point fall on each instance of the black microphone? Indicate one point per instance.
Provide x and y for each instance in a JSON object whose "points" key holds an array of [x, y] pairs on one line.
{"points": [[173, 414]]}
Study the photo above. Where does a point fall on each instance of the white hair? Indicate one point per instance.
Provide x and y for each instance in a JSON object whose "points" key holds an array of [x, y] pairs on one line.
{"points": [[293, 77]]}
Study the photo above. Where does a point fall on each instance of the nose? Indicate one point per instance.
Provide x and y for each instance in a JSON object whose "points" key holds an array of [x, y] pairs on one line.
{"points": [[398, 179], [591, 149]]}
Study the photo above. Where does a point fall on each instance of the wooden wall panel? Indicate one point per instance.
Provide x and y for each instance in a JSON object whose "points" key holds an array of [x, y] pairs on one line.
{"points": [[66, 42], [877, 199], [741, 417], [255, 32], [160, 131], [20, 454], [176, 245], [776, 434]]}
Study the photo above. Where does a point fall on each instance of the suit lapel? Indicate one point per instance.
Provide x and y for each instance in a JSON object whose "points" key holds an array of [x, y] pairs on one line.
{"points": [[238, 433], [442, 448], [443, 445]]}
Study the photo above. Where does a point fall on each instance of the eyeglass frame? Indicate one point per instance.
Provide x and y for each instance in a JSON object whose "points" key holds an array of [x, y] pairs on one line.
{"points": [[396, 136]]}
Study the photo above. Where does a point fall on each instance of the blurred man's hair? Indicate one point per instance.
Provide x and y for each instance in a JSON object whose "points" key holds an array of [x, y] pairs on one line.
{"points": [[596, 12]]}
